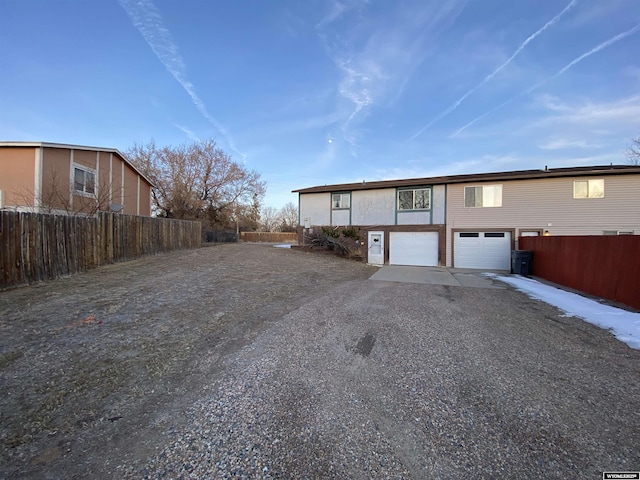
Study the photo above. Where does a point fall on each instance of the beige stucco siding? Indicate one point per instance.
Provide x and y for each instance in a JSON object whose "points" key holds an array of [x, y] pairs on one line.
{"points": [[439, 203], [548, 204], [56, 172], [116, 180], [414, 218], [341, 217], [39, 177], [86, 158], [102, 180], [130, 191], [315, 208], [373, 207], [17, 179]]}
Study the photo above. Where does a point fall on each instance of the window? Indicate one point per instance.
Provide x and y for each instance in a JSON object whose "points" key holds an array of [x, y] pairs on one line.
{"points": [[617, 232], [340, 200], [84, 181], [485, 196], [588, 188], [416, 199]]}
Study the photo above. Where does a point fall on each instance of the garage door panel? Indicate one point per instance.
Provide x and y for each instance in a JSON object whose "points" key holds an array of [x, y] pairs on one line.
{"points": [[413, 248], [484, 250]]}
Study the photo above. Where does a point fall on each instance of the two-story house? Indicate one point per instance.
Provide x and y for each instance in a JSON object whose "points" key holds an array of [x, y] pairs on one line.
{"points": [[473, 221], [55, 178]]}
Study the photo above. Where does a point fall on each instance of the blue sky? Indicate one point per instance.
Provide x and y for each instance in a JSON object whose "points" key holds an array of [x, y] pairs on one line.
{"points": [[330, 91]]}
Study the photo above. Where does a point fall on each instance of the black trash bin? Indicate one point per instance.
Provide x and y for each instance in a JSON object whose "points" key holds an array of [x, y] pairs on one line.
{"points": [[521, 262]]}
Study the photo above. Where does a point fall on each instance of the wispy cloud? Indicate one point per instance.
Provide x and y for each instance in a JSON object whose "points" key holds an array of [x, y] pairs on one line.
{"points": [[479, 163], [623, 111], [146, 17], [563, 70], [190, 133], [566, 143], [336, 9], [603, 45], [521, 47], [376, 59]]}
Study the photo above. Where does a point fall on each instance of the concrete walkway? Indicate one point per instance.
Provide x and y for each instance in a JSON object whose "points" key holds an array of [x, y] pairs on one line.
{"points": [[454, 277]]}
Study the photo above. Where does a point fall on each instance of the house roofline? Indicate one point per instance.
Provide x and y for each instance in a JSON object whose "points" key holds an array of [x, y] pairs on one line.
{"points": [[78, 147], [479, 177]]}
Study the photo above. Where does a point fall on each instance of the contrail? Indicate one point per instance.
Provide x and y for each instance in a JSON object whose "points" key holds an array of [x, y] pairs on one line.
{"points": [[497, 70], [609, 42], [596, 49], [147, 19]]}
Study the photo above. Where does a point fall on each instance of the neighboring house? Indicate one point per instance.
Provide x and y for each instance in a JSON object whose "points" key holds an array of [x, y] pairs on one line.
{"points": [[54, 178], [473, 221]]}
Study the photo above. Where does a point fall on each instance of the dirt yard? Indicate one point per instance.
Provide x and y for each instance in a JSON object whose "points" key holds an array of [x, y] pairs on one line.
{"points": [[248, 361], [135, 343]]}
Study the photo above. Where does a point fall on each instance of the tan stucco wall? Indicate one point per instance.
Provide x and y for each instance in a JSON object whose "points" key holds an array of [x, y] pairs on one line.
{"points": [[130, 191], [104, 189], [17, 173], [145, 198], [86, 158], [56, 170]]}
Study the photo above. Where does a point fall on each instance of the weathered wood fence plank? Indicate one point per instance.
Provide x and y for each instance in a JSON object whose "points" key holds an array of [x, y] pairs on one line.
{"points": [[269, 237], [38, 247]]}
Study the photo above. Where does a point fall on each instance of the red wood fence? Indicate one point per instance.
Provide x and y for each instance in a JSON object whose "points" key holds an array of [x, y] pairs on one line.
{"points": [[604, 266], [36, 247]]}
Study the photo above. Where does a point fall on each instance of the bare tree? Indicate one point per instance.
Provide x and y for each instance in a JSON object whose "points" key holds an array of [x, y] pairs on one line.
{"points": [[288, 217], [269, 219], [196, 181], [633, 152]]}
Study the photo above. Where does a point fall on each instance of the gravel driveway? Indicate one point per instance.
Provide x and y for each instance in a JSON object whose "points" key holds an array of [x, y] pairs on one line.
{"points": [[247, 361]]}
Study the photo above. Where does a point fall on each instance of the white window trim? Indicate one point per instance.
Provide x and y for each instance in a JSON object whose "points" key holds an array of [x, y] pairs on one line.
{"points": [[342, 195], [85, 169], [483, 187], [588, 182], [413, 209]]}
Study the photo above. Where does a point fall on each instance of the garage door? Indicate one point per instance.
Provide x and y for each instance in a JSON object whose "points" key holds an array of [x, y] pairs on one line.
{"points": [[486, 250], [413, 248]]}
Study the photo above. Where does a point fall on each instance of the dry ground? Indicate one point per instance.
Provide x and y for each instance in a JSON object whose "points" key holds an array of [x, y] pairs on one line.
{"points": [[133, 344], [247, 361]]}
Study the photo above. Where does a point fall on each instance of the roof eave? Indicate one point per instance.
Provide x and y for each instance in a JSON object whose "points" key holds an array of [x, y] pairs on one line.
{"points": [[480, 177]]}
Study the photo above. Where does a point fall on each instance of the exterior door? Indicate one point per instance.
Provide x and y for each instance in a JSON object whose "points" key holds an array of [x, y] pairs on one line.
{"points": [[413, 248], [484, 250], [376, 248]]}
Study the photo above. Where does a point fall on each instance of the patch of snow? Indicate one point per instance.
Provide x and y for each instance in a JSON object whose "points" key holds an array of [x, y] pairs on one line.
{"points": [[623, 324], [283, 245]]}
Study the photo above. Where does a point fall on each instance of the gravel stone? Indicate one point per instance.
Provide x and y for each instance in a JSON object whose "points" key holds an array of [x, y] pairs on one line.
{"points": [[345, 377]]}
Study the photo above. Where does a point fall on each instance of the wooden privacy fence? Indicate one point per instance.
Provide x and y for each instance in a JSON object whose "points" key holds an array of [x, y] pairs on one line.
{"points": [[604, 266], [36, 247], [269, 237]]}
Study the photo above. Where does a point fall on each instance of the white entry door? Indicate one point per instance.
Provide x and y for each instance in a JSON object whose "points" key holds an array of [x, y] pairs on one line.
{"points": [[376, 248], [413, 248]]}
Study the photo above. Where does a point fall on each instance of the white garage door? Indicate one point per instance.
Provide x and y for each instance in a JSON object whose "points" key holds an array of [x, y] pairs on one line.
{"points": [[485, 250], [413, 248]]}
